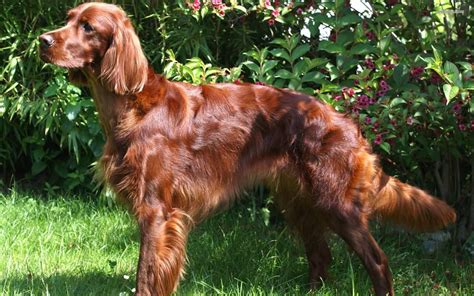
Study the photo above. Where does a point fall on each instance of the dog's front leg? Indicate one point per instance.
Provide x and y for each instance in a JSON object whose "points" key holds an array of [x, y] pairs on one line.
{"points": [[162, 250]]}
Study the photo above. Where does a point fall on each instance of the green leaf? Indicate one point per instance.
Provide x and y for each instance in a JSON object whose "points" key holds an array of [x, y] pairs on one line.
{"points": [[72, 110], [302, 67], [348, 20], [330, 47], [281, 53], [38, 167], [385, 43], [318, 62], [268, 65], [300, 51], [450, 91], [345, 63], [313, 77], [362, 48], [252, 66], [385, 147], [51, 90], [453, 73], [285, 74], [400, 74], [396, 102]]}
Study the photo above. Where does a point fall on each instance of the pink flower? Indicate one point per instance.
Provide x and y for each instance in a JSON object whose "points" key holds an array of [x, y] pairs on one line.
{"points": [[275, 12], [416, 72], [368, 120], [299, 10], [462, 127], [378, 139], [196, 4], [268, 4], [388, 66], [216, 2], [370, 35], [348, 91], [410, 120], [337, 97], [271, 22], [370, 64]]}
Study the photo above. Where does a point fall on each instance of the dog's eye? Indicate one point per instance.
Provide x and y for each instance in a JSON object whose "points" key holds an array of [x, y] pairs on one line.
{"points": [[87, 27]]}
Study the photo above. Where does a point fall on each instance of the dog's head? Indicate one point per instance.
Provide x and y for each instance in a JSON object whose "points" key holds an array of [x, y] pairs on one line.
{"points": [[99, 43]]}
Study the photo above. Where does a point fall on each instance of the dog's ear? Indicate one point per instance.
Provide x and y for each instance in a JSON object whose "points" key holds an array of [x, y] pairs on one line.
{"points": [[77, 77], [124, 66]]}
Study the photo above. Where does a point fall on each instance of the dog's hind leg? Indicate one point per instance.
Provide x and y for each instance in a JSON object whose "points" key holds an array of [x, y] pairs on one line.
{"points": [[351, 227], [302, 216]]}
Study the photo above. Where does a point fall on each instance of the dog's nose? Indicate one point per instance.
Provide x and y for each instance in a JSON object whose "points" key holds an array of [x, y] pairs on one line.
{"points": [[46, 40]]}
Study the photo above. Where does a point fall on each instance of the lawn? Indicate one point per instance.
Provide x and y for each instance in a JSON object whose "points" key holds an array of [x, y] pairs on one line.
{"points": [[74, 246]]}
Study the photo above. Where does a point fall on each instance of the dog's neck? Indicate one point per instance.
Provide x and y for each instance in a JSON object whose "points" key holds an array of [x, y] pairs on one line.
{"points": [[110, 107]]}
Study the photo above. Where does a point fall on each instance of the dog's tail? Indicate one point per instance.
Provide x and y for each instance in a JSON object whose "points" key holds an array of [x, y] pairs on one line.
{"points": [[409, 206]]}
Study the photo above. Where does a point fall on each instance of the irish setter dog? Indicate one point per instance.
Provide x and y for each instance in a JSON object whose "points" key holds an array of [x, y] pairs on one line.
{"points": [[175, 153]]}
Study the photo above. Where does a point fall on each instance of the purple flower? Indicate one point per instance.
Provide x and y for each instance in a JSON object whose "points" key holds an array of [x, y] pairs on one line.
{"points": [[368, 120], [378, 139], [384, 85], [370, 35], [462, 126], [299, 10], [363, 101], [435, 78], [457, 107], [410, 120]]}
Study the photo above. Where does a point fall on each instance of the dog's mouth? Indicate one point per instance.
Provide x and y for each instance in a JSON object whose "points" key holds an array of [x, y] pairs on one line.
{"points": [[44, 56]]}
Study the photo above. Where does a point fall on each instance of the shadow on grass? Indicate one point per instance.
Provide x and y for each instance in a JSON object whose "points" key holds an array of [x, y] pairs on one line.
{"points": [[89, 283]]}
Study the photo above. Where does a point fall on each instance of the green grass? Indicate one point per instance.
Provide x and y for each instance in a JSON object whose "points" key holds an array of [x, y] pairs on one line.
{"points": [[68, 246]]}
